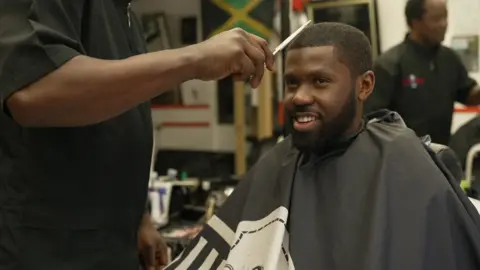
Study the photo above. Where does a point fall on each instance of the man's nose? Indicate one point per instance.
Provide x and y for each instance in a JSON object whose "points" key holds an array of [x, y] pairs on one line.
{"points": [[302, 97]]}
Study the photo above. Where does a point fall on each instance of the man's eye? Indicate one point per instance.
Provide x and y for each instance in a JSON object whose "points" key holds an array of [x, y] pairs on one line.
{"points": [[320, 82], [291, 83]]}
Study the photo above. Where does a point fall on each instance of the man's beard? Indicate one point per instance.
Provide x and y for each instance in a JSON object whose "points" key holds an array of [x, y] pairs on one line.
{"points": [[329, 131]]}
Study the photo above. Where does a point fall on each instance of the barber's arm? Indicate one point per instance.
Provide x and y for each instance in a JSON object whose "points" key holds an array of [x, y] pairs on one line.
{"points": [[474, 96], [468, 91], [383, 92], [152, 248], [47, 81]]}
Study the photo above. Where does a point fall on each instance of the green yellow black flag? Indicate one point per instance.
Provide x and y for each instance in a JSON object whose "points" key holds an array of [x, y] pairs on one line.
{"points": [[254, 16]]}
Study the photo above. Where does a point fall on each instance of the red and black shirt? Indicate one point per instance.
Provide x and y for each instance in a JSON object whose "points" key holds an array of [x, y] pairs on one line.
{"points": [[422, 85]]}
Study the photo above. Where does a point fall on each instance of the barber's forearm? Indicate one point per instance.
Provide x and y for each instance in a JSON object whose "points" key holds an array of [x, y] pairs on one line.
{"points": [[474, 96], [146, 217], [87, 91]]}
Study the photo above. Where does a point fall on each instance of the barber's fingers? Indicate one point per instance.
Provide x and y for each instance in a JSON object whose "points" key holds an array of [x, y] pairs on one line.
{"points": [[161, 253], [263, 44], [258, 60], [246, 68], [259, 55], [254, 50], [149, 257]]}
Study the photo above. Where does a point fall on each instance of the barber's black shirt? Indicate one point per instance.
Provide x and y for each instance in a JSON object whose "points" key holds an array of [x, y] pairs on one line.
{"points": [[422, 85], [70, 198]]}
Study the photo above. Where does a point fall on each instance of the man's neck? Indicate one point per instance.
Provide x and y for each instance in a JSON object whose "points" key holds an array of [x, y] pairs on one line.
{"points": [[355, 127], [336, 144], [417, 39]]}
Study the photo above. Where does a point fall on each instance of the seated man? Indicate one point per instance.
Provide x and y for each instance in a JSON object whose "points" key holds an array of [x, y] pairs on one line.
{"points": [[342, 192]]}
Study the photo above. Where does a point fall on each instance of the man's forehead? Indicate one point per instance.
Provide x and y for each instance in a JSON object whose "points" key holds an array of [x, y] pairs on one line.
{"points": [[311, 59], [436, 2], [316, 52], [435, 5]]}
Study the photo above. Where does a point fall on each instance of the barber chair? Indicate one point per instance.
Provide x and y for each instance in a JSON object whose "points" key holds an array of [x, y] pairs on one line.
{"points": [[465, 142], [471, 160], [446, 155], [449, 159]]}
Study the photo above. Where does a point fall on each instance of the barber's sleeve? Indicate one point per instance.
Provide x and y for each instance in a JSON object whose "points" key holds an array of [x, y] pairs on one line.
{"points": [[382, 95], [36, 37], [464, 82]]}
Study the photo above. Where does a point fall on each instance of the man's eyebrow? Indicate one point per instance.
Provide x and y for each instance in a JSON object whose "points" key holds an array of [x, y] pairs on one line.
{"points": [[319, 71], [313, 72]]}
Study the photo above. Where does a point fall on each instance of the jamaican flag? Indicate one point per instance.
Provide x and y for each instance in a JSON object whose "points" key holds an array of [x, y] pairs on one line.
{"points": [[254, 16]]}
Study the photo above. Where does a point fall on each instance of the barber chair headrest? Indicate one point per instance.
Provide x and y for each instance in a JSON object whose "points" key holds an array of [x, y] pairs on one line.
{"points": [[448, 157]]}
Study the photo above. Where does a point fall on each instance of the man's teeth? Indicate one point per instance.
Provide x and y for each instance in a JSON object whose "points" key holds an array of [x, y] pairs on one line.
{"points": [[305, 119]]}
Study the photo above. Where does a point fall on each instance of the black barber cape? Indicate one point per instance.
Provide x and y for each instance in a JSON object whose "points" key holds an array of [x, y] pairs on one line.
{"points": [[71, 198], [382, 203]]}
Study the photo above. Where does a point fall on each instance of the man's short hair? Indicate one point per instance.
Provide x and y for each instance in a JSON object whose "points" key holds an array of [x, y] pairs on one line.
{"points": [[414, 10], [352, 46]]}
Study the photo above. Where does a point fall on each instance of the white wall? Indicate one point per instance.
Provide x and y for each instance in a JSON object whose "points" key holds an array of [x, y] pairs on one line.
{"points": [[464, 20], [391, 22]]}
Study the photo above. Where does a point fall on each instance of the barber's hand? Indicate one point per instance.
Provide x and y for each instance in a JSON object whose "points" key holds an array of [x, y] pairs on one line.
{"points": [[152, 248], [234, 52]]}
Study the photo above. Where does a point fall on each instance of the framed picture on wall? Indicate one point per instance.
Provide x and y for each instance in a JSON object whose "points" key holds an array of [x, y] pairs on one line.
{"points": [[466, 46], [358, 13], [157, 37], [156, 32]]}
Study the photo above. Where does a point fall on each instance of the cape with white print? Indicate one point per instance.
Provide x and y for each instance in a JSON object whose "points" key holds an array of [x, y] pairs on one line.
{"points": [[415, 216]]}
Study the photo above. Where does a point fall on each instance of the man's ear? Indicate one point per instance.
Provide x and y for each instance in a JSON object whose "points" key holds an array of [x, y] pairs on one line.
{"points": [[367, 82]]}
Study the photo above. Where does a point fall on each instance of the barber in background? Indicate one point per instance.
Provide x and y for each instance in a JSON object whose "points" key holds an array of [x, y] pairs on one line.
{"points": [[76, 129], [420, 78]]}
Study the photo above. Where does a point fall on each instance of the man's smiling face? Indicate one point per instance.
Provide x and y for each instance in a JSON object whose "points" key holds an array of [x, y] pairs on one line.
{"points": [[320, 96]]}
